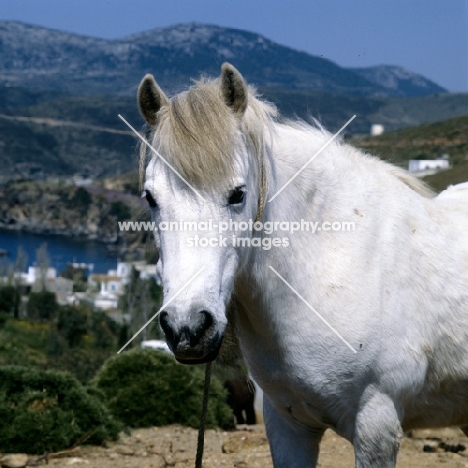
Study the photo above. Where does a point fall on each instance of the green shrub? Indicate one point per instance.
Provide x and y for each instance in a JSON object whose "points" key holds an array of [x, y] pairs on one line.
{"points": [[80, 200], [48, 411], [72, 324], [23, 342], [42, 305], [120, 210], [9, 300], [149, 388], [82, 363]]}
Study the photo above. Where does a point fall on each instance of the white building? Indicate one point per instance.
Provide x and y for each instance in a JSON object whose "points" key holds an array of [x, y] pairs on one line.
{"points": [[418, 165], [48, 280], [159, 345], [112, 284], [61, 287], [377, 129], [35, 273]]}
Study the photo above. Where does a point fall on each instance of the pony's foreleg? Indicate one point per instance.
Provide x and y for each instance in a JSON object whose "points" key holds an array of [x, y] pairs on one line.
{"points": [[377, 433], [292, 445]]}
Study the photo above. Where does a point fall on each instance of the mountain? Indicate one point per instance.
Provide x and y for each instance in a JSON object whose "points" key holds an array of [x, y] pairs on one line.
{"points": [[402, 81], [36, 57]]}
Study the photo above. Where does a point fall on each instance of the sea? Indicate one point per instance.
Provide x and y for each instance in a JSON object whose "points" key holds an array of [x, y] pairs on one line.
{"points": [[61, 250]]}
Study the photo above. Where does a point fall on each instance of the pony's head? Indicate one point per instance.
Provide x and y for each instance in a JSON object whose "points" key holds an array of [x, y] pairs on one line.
{"points": [[208, 178]]}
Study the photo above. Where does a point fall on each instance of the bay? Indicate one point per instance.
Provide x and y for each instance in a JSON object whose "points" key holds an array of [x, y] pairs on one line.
{"points": [[61, 250]]}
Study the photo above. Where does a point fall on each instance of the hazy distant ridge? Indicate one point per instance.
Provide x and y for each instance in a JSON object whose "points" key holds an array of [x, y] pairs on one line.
{"points": [[402, 81], [38, 57]]}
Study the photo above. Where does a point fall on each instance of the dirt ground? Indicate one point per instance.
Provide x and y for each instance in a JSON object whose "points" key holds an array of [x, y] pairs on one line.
{"points": [[247, 447]]}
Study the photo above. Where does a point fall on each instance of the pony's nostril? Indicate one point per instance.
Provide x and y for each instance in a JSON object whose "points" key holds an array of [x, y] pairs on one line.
{"points": [[207, 319], [164, 321], [200, 323], [168, 328]]}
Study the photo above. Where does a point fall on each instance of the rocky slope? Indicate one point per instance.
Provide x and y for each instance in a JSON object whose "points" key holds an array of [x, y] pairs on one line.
{"points": [[59, 208]]}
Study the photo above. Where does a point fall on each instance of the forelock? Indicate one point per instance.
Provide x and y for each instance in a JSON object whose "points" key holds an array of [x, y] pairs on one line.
{"points": [[197, 134]]}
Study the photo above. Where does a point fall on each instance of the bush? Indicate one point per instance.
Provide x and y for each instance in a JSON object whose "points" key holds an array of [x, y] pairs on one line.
{"points": [[72, 324], [48, 411], [42, 305], [23, 343], [9, 300], [78, 276], [82, 363], [104, 331], [80, 200], [120, 210], [149, 388]]}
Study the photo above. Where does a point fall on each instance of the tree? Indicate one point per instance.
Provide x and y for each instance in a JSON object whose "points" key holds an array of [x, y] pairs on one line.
{"points": [[42, 306], [9, 300], [104, 330], [81, 200], [120, 210], [77, 275], [21, 263], [141, 300], [43, 263], [72, 324]]}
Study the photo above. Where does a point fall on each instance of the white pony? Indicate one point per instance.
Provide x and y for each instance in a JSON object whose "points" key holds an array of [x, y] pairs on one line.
{"points": [[363, 331]]}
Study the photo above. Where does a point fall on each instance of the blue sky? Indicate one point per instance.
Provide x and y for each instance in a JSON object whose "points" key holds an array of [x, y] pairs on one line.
{"points": [[429, 37]]}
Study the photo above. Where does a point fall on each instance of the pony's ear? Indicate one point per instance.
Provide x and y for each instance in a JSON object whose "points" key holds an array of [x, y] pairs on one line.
{"points": [[233, 89], [150, 99]]}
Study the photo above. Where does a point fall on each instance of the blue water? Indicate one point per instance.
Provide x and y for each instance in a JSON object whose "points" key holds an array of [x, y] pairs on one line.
{"points": [[61, 250]]}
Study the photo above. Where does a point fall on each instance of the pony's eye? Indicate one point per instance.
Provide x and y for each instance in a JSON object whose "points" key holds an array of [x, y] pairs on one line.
{"points": [[149, 198], [236, 197]]}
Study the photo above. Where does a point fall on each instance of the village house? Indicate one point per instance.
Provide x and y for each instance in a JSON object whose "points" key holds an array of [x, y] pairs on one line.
{"points": [[112, 284]]}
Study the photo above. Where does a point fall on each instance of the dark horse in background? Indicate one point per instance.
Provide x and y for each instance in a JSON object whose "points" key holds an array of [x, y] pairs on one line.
{"points": [[241, 398]]}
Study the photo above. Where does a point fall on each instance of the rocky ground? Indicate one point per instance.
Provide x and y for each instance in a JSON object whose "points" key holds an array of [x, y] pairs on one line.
{"points": [[247, 447]]}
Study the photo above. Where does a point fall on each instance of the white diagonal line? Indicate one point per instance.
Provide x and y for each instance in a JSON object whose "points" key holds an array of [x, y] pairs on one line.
{"points": [[159, 311], [159, 155], [312, 158], [312, 309]]}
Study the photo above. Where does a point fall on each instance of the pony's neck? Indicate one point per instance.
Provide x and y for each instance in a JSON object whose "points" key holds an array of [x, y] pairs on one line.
{"points": [[312, 196], [311, 193], [341, 184]]}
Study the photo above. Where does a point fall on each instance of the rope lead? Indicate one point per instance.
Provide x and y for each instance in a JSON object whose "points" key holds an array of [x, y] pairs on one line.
{"points": [[201, 429]]}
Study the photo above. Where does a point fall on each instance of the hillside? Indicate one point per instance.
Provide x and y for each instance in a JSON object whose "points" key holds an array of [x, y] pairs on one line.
{"points": [[456, 175], [332, 110], [43, 133], [84, 65], [91, 213], [422, 142]]}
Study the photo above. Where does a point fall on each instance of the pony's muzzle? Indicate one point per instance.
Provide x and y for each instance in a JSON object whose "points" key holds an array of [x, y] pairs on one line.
{"points": [[195, 341]]}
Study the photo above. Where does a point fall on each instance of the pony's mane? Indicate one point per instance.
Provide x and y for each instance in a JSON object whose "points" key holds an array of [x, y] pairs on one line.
{"points": [[197, 133], [412, 182]]}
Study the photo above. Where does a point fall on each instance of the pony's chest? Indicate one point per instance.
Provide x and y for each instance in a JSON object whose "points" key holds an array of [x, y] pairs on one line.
{"points": [[293, 391], [301, 403]]}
